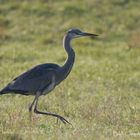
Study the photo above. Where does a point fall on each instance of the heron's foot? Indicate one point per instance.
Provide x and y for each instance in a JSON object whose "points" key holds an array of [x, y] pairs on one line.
{"points": [[62, 119], [52, 114]]}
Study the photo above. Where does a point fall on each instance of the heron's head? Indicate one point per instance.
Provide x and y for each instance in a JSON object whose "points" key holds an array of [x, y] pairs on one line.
{"points": [[75, 33]]}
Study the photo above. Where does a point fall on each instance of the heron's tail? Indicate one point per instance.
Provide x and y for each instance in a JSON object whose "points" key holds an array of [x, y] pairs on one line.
{"points": [[3, 91]]}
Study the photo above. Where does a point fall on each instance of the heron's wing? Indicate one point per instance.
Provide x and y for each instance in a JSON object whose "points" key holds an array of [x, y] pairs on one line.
{"points": [[34, 79]]}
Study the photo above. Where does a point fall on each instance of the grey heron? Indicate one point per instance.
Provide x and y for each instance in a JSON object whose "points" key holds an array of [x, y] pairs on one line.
{"points": [[43, 78]]}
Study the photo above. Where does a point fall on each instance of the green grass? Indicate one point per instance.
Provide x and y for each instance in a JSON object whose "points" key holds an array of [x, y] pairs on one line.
{"points": [[101, 96]]}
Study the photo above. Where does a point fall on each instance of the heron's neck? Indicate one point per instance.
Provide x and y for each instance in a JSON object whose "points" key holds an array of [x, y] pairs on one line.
{"points": [[66, 68]]}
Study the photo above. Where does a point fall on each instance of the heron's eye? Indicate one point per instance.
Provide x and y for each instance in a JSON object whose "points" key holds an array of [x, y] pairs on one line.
{"points": [[77, 33]]}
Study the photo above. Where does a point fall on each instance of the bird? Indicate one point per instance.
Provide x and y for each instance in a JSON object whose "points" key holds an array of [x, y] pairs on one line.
{"points": [[43, 78]]}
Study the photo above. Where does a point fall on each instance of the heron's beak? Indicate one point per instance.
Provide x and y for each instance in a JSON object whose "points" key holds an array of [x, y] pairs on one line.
{"points": [[89, 34]]}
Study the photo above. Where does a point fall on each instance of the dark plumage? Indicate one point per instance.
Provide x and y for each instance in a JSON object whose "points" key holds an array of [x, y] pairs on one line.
{"points": [[27, 84]]}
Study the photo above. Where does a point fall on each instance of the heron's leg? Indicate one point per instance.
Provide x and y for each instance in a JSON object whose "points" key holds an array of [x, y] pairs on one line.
{"points": [[49, 113], [31, 106]]}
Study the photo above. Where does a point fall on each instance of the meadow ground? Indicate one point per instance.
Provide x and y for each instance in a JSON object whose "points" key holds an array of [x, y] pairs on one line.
{"points": [[101, 96]]}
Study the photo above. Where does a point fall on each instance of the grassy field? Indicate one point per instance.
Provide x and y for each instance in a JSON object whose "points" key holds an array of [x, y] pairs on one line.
{"points": [[101, 96]]}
